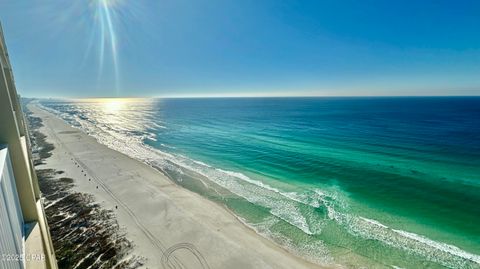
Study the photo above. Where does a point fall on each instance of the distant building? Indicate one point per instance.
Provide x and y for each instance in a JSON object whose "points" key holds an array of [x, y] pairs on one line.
{"points": [[25, 240]]}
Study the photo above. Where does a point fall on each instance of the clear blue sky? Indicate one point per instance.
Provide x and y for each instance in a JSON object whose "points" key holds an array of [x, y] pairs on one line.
{"points": [[80, 48]]}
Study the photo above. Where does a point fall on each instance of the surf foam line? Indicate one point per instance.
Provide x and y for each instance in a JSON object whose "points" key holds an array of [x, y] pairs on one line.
{"points": [[442, 253], [284, 205]]}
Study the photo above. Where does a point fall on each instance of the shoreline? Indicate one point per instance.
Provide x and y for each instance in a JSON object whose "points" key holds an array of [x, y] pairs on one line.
{"points": [[90, 225], [219, 238]]}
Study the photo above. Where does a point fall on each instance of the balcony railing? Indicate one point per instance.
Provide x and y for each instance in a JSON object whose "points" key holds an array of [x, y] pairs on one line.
{"points": [[11, 219]]}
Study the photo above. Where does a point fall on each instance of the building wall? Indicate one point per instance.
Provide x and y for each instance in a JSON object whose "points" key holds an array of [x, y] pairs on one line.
{"points": [[11, 218], [14, 135]]}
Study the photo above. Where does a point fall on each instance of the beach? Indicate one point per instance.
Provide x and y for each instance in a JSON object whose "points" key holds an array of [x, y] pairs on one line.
{"points": [[161, 219], [239, 134], [317, 180]]}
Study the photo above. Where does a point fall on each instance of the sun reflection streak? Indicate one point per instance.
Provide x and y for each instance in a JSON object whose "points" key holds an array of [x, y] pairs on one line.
{"points": [[108, 34], [102, 39], [113, 41]]}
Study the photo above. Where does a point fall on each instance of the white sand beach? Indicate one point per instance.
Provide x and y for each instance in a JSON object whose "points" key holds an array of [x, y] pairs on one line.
{"points": [[158, 216]]}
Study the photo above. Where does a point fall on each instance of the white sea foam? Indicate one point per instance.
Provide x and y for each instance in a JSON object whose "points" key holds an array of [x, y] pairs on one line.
{"points": [[440, 246], [201, 163], [167, 146], [249, 180], [315, 251], [374, 222], [282, 205], [447, 255], [151, 136], [154, 124]]}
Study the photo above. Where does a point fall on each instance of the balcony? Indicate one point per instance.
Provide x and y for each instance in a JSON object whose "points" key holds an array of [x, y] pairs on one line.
{"points": [[21, 243], [11, 219]]}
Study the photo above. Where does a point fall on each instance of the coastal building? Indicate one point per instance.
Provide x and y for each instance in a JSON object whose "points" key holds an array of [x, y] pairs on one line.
{"points": [[25, 240]]}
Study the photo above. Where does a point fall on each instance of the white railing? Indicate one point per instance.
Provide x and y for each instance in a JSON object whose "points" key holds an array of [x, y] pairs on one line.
{"points": [[11, 219]]}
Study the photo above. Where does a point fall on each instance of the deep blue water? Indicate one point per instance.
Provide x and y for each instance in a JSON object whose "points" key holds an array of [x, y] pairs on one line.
{"points": [[376, 181]]}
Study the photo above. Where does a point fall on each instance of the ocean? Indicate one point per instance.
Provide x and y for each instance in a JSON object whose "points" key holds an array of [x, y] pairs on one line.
{"points": [[357, 182]]}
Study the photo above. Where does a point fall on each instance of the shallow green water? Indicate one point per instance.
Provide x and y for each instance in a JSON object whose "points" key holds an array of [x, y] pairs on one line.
{"points": [[380, 182]]}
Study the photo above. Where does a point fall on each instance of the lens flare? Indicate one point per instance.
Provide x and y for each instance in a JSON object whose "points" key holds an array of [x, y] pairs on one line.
{"points": [[104, 10]]}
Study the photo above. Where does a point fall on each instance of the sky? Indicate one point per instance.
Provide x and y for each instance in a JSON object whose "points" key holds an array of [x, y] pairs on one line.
{"points": [[180, 48]]}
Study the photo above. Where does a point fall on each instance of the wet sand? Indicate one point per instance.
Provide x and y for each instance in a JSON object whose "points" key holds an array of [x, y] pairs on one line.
{"points": [[169, 226]]}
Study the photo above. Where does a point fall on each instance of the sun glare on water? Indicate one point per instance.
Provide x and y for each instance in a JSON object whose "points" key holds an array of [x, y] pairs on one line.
{"points": [[120, 113], [113, 105]]}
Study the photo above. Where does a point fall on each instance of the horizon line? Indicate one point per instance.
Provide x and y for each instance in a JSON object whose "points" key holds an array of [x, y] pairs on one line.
{"points": [[243, 96]]}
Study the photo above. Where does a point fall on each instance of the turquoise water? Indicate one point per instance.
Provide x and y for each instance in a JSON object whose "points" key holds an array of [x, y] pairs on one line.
{"points": [[374, 182]]}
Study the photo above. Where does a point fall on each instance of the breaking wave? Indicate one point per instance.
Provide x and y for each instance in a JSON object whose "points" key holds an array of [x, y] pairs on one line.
{"points": [[295, 208]]}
